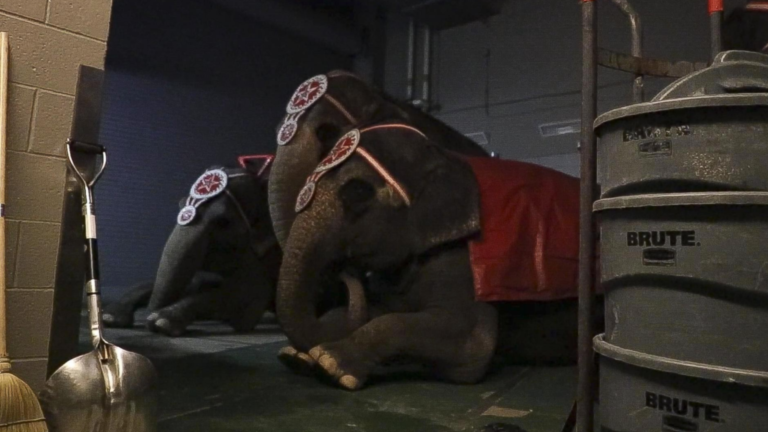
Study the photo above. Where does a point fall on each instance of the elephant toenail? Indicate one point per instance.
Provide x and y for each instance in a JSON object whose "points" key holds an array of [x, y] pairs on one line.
{"points": [[288, 351], [305, 358], [163, 323], [349, 382], [316, 352], [329, 364], [152, 317]]}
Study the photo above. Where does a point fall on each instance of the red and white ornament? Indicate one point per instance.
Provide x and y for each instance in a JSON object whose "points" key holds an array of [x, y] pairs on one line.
{"points": [[210, 184], [289, 128], [186, 215], [309, 92], [305, 196], [343, 149], [308, 191]]}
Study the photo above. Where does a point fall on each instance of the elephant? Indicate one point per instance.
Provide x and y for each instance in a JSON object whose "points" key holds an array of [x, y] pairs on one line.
{"points": [[317, 112], [221, 260], [391, 203]]}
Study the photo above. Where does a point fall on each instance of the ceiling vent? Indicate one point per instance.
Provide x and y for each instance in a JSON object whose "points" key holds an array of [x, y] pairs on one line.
{"points": [[560, 128]]}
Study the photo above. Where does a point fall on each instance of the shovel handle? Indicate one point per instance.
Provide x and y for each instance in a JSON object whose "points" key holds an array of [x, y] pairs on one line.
{"points": [[86, 148]]}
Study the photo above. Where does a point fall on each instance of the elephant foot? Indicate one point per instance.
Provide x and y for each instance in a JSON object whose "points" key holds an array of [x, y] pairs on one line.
{"points": [[117, 315], [298, 362], [340, 369], [167, 322]]}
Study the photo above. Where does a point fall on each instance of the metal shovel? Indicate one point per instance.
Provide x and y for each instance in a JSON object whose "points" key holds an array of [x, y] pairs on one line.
{"points": [[108, 389]]}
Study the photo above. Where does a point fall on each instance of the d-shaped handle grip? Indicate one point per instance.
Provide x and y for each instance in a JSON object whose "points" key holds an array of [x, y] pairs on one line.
{"points": [[87, 148], [659, 257]]}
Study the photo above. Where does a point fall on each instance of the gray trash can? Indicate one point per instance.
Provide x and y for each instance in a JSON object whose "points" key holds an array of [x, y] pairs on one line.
{"points": [[686, 276], [645, 393], [694, 144]]}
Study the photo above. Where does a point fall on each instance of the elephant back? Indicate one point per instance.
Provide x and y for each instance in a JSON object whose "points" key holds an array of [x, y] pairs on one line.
{"points": [[528, 247]]}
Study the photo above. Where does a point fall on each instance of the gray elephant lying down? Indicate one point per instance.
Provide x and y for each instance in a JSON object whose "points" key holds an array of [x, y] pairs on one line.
{"points": [[467, 257], [221, 260]]}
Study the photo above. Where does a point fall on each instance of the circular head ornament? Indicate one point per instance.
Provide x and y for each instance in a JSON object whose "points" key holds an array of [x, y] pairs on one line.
{"points": [[288, 129], [186, 215], [208, 185], [286, 132], [307, 94], [341, 151], [305, 196]]}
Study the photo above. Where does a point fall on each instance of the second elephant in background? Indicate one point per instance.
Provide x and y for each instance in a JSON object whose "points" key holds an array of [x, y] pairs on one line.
{"points": [[221, 261]]}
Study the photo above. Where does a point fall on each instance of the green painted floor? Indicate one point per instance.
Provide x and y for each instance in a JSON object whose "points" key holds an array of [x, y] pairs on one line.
{"points": [[213, 380]]}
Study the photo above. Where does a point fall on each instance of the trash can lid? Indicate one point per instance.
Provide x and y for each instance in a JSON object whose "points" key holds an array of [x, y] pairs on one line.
{"points": [[730, 100], [682, 199]]}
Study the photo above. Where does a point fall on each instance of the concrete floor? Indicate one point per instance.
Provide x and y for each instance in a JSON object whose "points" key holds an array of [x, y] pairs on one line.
{"points": [[214, 380]]}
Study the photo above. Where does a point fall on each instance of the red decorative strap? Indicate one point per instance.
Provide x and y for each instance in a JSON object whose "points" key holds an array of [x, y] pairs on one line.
{"points": [[385, 174], [243, 161], [344, 148], [394, 126], [757, 6]]}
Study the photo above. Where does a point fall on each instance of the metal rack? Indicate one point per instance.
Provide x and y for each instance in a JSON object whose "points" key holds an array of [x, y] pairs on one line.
{"points": [[639, 66]]}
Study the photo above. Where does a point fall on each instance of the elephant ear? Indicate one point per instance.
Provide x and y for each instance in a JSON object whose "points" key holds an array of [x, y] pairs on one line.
{"points": [[444, 194]]}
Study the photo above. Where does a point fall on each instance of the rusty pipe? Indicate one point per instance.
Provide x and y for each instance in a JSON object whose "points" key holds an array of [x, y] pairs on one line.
{"points": [[585, 395], [637, 43], [716, 26]]}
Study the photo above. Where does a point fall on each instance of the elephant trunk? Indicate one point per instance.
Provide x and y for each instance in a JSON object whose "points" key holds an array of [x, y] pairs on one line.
{"points": [[293, 164], [182, 257], [307, 267]]}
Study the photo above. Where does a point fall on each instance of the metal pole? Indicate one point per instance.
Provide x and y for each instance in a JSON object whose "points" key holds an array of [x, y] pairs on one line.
{"points": [[411, 65], [716, 26], [425, 85], [637, 43], [584, 398]]}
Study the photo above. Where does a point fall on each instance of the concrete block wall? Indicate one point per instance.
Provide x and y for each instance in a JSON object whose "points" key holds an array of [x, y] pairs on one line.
{"points": [[49, 39]]}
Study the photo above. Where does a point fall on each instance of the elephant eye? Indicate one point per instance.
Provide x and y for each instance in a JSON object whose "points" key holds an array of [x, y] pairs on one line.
{"points": [[327, 133]]}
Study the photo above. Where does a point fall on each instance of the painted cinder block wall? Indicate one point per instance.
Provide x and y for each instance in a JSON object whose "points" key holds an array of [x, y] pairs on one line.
{"points": [[48, 40]]}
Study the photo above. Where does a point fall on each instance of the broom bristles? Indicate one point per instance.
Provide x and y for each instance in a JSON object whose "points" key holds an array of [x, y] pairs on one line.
{"points": [[19, 408]]}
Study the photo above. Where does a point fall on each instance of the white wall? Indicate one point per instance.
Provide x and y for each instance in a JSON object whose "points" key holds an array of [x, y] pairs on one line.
{"points": [[523, 68]]}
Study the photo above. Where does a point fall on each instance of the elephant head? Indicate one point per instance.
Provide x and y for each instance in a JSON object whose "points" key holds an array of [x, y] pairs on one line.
{"points": [[317, 113], [223, 225], [384, 196]]}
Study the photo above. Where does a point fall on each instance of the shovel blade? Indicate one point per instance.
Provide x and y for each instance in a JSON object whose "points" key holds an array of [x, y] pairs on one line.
{"points": [[94, 394]]}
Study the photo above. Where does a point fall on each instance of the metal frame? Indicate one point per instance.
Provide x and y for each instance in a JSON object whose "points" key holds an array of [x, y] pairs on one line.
{"points": [[592, 58]]}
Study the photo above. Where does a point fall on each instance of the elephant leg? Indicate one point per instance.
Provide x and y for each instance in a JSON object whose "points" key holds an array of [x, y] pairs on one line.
{"points": [[173, 320], [460, 348], [302, 363], [247, 293], [120, 313]]}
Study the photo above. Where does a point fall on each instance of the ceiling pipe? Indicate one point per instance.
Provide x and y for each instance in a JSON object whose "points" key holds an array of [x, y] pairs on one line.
{"points": [[411, 61], [427, 69], [637, 43], [423, 102], [334, 34]]}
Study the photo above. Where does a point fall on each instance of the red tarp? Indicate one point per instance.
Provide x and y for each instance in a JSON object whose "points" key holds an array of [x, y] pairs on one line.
{"points": [[528, 249]]}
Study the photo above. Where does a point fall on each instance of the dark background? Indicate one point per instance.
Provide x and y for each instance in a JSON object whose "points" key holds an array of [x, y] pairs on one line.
{"points": [[195, 83]]}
